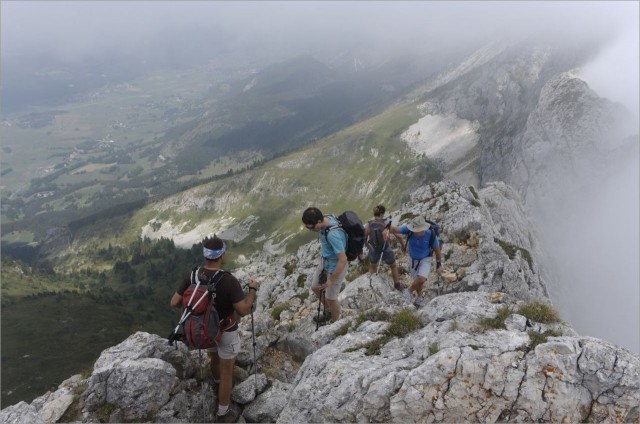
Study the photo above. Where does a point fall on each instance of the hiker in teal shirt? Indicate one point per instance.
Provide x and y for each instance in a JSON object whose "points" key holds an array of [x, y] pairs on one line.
{"points": [[332, 267], [420, 253]]}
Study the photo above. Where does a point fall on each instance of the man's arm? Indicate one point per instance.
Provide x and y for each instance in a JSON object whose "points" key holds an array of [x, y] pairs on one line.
{"points": [[243, 307], [176, 300], [396, 232], [342, 262]]}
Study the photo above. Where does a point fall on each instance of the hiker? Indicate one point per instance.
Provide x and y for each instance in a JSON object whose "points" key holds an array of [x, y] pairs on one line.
{"points": [[229, 299], [420, 253], [332, 268], [377, 234]]}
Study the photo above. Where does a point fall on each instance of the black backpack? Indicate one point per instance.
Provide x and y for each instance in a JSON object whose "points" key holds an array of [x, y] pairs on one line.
{"points": [[200, 326], [435, 232], [349, 222], [376, 238]]}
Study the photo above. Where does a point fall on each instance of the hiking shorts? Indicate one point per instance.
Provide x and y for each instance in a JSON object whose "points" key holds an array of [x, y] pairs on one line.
{"points": [[387, 256], [422, 269], [334, 289], [229, 345]]}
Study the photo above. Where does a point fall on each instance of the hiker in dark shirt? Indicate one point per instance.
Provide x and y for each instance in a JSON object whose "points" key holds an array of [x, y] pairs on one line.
{"points": [[378, 241], [230, 299]]}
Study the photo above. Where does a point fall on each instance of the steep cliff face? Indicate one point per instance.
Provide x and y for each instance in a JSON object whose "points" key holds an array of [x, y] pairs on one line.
{"points": [[485, 347], [570, 154]]}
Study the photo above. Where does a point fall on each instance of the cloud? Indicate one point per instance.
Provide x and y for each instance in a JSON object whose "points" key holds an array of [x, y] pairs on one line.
{"points": [[72, 29]]}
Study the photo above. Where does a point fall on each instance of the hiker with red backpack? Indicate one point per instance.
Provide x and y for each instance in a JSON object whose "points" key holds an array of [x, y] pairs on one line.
{"points": [[377, 235], [422, 242], [332, 268], [227, 298]]}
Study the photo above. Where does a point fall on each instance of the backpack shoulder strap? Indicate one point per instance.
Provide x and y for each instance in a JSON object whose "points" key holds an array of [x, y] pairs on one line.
{"points": [[194, 275], [216, 278]]}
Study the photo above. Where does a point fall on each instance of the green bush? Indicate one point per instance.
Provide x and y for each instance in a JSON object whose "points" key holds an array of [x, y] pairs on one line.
{"points": [[302, 278], [539, 312], [540, 338], [290, 267], [473, 191], [497, 322], [511, 251], [344, 329], [403, 323], [277, 310]]}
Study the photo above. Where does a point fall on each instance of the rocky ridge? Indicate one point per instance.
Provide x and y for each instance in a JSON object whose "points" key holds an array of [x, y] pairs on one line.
{"points": [[472, 353]]}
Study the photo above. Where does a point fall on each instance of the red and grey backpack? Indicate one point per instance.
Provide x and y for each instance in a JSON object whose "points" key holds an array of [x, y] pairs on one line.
{"points": [[200, 326]]}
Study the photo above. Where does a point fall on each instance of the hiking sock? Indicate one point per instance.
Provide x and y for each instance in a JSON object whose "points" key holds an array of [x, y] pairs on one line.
{"points": [[222, 410]]}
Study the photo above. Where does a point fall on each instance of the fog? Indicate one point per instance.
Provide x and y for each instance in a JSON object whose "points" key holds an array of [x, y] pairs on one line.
{"points": [[70, 30], [595, 251]]}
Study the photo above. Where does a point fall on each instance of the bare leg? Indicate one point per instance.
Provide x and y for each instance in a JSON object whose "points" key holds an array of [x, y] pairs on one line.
{"points": [[226, 381], [394, 273], [334, 308], [417, 285], [215, 365]]}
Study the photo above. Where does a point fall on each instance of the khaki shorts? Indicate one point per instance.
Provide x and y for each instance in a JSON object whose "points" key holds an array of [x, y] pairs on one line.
{"points": [[334, 289], [228, 346], [423, 269]]}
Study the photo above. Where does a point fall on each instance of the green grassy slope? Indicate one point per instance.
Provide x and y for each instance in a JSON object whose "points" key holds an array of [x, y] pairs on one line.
{"points": [[357, 168]]}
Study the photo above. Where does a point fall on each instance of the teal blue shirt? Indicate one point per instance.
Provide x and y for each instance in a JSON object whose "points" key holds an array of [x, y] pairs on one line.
{"points": [[333, 242]]}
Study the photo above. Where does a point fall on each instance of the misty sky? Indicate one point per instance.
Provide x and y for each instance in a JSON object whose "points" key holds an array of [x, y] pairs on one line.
{"points": [[70, 31]]}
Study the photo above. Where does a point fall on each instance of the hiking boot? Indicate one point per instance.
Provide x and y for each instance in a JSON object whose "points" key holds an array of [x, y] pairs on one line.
{"points": [[232, 415], [325, 317], [407, 295], [418, 302]]}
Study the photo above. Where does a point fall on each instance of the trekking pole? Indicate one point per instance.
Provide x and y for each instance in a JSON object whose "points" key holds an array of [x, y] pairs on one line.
{"points": [[384, 246], [325, 309], [255, 364]]}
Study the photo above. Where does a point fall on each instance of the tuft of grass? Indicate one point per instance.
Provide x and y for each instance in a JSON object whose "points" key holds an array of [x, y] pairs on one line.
{"points": [[511, 250], [301, 280], [278, 310], [302, 296], [407, 216], [433, 349], [540, 338], [105, 411], [475, 203], [445, 207], [344, 329], [539, 312], [497, 322], [290, 267], [454, 326], [473, 191], [402, 324]]}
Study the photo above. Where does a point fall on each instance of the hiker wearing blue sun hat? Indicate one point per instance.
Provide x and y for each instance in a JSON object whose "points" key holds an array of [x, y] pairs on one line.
{"points": [[422, 242]]}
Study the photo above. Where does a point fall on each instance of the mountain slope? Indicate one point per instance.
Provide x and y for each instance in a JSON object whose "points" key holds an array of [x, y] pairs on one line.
{"points": [[486, 347]]}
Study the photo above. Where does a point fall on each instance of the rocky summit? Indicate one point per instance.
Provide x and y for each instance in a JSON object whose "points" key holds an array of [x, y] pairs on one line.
{"points": [[487, 346]]}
